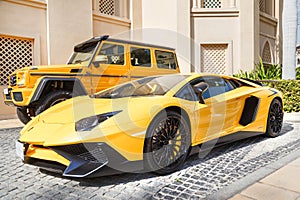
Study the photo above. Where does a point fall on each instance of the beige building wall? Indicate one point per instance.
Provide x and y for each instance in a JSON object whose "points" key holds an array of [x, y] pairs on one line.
{"points": [[24, 20], [69, 22], [56, 26], [167, 23], [231, 35], [109, 25]]}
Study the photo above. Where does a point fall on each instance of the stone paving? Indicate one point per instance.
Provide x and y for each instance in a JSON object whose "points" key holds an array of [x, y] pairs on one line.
{"points": [[200, 177]]}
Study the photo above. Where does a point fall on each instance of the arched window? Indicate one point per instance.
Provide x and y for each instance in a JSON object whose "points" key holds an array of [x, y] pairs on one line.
{"points": [[266, 54]]}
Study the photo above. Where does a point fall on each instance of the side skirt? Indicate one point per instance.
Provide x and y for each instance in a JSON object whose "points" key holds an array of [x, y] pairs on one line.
{"points": [[223, 140]]}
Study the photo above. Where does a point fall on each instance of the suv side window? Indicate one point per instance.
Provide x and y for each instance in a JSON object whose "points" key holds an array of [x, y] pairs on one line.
{"points": [[165, 60], [140, 57], [112, 54]]}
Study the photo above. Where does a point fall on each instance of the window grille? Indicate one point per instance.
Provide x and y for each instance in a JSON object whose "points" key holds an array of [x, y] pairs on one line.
{"points": [[266, 54], [262, 5], [211, 4], [213, 58], [108, 7], [15, 53]]}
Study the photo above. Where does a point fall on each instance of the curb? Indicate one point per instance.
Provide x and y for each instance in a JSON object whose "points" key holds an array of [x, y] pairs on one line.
{"points": [[240, 185]]}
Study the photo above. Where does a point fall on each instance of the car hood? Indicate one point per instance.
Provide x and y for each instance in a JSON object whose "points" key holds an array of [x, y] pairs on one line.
{"points": [[52, 69], [75, 109], [56, 126]]}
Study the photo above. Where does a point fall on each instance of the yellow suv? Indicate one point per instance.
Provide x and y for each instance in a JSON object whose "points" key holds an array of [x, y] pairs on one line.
{"points": [[95, 64]]}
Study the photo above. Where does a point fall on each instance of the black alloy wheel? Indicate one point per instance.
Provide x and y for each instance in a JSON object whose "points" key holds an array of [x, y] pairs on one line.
{"points": [[275, 118], [52, 99], [167, 143], [23, 115]]}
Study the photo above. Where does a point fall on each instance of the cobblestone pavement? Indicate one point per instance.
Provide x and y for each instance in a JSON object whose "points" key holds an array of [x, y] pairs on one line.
{"points": [[200, 177]]}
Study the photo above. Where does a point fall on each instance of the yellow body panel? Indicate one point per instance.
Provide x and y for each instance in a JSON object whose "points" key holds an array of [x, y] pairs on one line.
{"points": [[46, 154], [93, 78], [125, 132]]}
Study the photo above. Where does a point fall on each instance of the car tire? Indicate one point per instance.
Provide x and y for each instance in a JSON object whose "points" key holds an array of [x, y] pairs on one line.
{"points": [[23, 115], [52, 99], [167, 143], [275, 118]]}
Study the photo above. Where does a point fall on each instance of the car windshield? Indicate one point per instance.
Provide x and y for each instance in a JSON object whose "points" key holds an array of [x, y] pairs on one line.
{"points": [[149, 86], [83, 54]]}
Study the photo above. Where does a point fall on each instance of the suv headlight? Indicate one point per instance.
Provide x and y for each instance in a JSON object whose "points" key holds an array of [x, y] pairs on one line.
{"points": [[87, 124], [21, 79]]}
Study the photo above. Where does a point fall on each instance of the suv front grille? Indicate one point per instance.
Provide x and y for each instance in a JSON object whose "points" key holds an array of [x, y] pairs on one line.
{"points": [[13, 80]]}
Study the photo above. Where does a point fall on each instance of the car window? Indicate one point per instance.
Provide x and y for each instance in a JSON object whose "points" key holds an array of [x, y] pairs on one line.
{"points": [[187, 93], [140, 57], [165, 60], [112, 54], [148, 86], [217, 86]]}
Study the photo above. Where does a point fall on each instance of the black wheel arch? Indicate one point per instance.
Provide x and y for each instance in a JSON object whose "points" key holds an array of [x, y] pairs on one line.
{"points": [[280, 99], [49, 84], [180, 111], [149, 161], [176, 109]]}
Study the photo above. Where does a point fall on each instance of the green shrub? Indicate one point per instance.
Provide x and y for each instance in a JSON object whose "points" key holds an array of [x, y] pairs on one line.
{"points": [[290, 88], [291, 93], [262, 72]]}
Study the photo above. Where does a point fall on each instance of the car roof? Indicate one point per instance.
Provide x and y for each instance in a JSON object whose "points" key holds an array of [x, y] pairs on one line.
{"points": [[106, 37]]}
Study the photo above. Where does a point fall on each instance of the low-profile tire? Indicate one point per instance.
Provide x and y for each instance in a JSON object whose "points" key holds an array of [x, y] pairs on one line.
{"points": [[167, 143], [52, 99], [275, 118], [23, 115]]}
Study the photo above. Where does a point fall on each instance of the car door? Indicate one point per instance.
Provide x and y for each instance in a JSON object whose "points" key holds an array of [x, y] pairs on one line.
{"points": [[220, 111], [109, 66], [141, 62]]}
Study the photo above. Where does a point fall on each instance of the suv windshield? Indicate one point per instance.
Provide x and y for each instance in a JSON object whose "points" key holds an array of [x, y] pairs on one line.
{"points": [[143, 87], [83, 54]]}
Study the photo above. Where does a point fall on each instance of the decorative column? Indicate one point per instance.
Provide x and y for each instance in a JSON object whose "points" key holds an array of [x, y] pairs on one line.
{"points": [[232, 4], [199, 3], [289, 39], [65, 27], [195, 4]]}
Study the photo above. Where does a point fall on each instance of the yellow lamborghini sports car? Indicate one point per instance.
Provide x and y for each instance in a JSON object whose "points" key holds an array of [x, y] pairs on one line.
{"points": [[148, 124]]}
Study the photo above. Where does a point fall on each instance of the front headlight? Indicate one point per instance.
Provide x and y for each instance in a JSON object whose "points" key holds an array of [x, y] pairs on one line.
{"points": [[21, 78], [89, 123]]}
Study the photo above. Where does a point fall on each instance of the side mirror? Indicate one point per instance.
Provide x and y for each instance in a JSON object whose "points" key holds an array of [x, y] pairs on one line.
{"points": [[200, 88], [96, 63]]}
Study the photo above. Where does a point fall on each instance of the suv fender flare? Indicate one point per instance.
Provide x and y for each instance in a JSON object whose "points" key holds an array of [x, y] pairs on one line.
{"points": [[78, 88]]}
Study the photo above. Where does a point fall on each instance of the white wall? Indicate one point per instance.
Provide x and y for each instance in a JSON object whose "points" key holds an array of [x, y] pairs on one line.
{"points": [[69, 23], [166, 23]]}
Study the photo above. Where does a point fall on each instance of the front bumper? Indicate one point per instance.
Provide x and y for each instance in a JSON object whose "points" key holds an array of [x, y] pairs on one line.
{"points": [[16, 97], [81, 160], [7, 97]]}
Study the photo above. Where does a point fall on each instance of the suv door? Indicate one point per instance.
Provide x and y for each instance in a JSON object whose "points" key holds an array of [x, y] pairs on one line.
{"points": [[141, 62], [109, 66]]}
